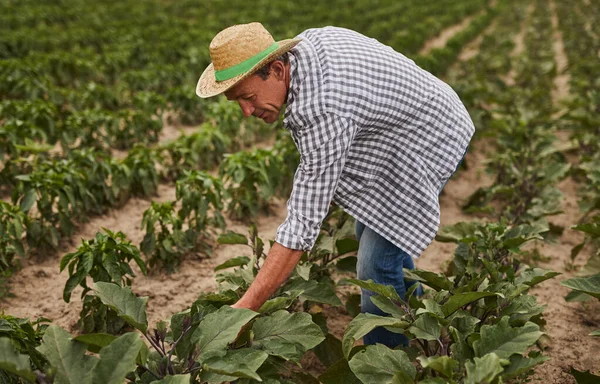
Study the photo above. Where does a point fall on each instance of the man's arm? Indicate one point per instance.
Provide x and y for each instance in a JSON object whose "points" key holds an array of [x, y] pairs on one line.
{"points": [[278, 266]]}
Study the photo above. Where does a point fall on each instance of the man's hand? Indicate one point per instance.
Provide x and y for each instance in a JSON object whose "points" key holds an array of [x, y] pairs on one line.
{"points": [[278, 266]]}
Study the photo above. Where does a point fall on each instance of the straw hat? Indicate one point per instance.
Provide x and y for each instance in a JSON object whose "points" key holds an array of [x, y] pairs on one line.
{"points": [[236, 53]]}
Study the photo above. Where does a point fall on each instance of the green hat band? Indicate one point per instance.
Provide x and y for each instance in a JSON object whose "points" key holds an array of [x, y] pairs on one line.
{"points": [[244, 66]]}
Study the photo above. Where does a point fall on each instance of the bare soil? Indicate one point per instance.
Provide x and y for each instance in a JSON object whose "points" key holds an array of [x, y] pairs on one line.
{"points": [[440, 40], [561, 87], [509, 78]]}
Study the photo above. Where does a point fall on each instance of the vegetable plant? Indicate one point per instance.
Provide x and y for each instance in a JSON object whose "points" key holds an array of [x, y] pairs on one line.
{"points": [[104, 258], [165, 241], [198, 345]]}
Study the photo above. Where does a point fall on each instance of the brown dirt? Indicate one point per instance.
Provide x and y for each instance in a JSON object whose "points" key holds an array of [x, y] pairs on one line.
{"points": [[561, 87], [472, 49], [509, 78], [440, 40]]}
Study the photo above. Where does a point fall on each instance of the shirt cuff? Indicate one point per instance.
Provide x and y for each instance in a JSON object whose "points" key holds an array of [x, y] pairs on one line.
{"points": [[298, 234]]}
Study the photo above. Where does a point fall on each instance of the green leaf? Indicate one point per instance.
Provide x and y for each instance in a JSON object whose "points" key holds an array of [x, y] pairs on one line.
{"points": [[67, 357], [504, 340], [130, 308], [347, 264], [339, 373], [520, 364], [11, 361], [426, 327], [589, 228], [281, 302], [329, 351], [442, 364], [483, 370], [595, 333], [378, 364], [117, 359], [383, 290], [363, 324], [218, 329], [241, 363], [465, 232], [233, 262], [461, 299], [436, 281], [95, 341], [386, 305], [314, 291], [534, 276], [28, 200], [303, 271], [346, 246], [177, 379], [584, 377], [287, 335], [232, 238], [589, 285]]}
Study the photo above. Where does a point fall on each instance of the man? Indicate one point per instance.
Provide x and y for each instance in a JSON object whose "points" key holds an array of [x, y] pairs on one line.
{"points": [[377, 135]]}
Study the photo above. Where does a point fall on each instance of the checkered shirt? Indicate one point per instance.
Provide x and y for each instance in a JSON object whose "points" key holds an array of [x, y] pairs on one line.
{"points": [[377, 135]]}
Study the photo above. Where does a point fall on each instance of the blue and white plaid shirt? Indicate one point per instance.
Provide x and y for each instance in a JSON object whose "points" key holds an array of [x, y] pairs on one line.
{"points": [[377, 135]]}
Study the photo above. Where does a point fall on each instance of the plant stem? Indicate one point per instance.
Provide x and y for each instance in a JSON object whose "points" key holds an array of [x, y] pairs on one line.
{"points": [[155, 346], [169, 367]]}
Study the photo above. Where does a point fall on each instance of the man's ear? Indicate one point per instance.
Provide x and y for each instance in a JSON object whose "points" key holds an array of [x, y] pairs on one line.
{"points": [[278, 69]]}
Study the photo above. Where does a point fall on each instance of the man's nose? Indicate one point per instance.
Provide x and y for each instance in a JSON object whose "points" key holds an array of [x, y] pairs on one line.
{"points": [[247, 108]]}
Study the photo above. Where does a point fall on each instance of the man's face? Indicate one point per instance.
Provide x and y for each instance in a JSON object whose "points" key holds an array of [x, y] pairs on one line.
{"points": [[262, 98]]}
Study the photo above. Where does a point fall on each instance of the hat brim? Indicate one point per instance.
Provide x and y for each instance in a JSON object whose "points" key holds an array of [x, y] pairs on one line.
{"points": [[208, 86]]}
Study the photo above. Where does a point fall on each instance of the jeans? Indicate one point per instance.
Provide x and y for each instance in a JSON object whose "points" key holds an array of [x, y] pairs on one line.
{"points": [[381, 261]]}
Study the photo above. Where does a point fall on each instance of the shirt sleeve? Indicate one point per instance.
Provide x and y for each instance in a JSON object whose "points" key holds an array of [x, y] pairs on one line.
{"points": [[323, 152]]}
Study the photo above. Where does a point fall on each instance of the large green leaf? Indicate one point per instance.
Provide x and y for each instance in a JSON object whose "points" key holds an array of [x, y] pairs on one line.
{"points": [[232, 238], [442, 364], [504, 340], [377, 364], [240, 363], [233, 262], [363, 324], [426, 327], [117, 359], [386, 305], [287, 335], [464, 231], [329, 351], [483, 370], [462, 299], [13, 362], [95, 341], [534, 276], [521, 364], [314, 291], [67, 357], [28, 200], [278, 303], [436, 281], [339, 373], [589, 285], [129, 307], [383, 290], [219, 329], [177, 379]]}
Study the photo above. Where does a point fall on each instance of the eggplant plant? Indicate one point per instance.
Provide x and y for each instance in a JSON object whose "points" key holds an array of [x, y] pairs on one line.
{"points": [[207, 343], [104, 258]]}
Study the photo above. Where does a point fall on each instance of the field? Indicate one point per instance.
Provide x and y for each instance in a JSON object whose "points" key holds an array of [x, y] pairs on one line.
{"points": [[133, 213]]}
